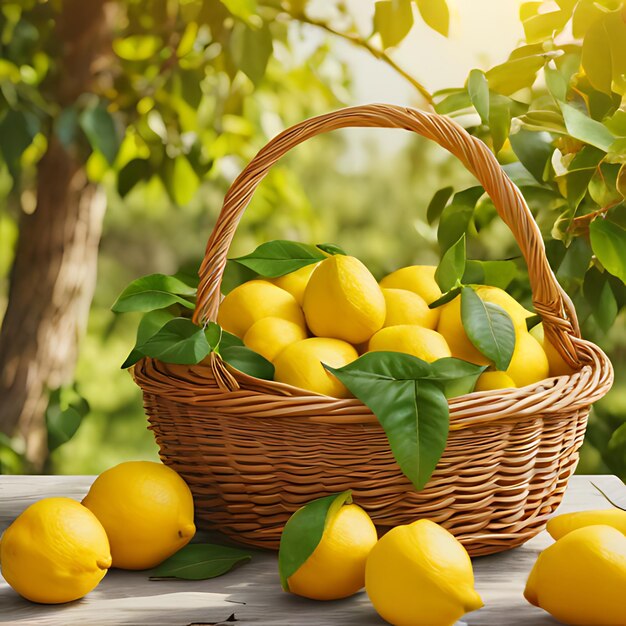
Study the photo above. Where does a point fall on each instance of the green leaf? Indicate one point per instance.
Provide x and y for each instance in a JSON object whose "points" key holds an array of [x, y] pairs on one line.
{"points": [[488, 327], [599, 295], [596, 57], [549, 121], [543, 26], [15, 137], [393, 20], [248, 362], [534, 151], [331, 248], [279, 257], [245, 10], [137, 47], [436, 14], [452, 265], [478, 89], [303, 532], [412, 410], [180, 341], [456, 217], [180, 180], [98, 125], [438, 203], [251, 50], [585, 129], [66, 126], [228, 340], [64, 415], [454, 376], [514, 74], [556, 83], [200, 561], [499, 120], [149, 325], [213, 334], [496, 273], [156, 291], [608, 241], [135, 171], [446, 297]]}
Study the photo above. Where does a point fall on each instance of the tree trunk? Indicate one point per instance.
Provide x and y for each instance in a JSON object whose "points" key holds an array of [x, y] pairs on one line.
{"points": [[53, 275]]}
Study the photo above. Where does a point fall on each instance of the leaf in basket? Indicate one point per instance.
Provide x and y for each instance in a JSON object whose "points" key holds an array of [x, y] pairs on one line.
{"points": [[452, 266], [447, 297], [457, 216], [454, 376], [179, 341], [303, 532], [438, 203], [495, 273], [156, 291], [199, 561], [279, 257], [248, 362], [489, 327], [228, 340], [149, 325], [331, 248], [412, 409]]}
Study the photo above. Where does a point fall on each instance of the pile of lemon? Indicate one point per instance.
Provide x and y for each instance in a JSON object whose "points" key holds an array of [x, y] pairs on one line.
{"points": [[136, 515], [333, 311]]}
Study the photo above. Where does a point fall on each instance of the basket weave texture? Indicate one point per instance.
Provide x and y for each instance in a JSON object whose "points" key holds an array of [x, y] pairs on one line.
{"points": [[254, 451]]}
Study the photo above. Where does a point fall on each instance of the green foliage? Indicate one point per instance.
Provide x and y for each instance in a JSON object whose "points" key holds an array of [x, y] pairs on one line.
{"points": [[65, 412], [451, 268]]}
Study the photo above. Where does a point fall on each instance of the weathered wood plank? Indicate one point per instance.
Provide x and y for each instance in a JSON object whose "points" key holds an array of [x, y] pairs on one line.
{"points": [[252, 593]]}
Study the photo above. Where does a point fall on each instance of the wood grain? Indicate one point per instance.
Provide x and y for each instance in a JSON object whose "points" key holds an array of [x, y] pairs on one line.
{"points": [[252, 593]]}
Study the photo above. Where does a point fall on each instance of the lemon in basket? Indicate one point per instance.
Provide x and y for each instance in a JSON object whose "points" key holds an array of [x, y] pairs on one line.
{"points": [[253, 301], [489, 381], [419, 279], [270, 335], [343, 300], [419, 574], [529, 363], [558, 365], [55, 551], [581, 578], [423, 343], [407, 307], [295, 282], [146, 509], [300, 365]]}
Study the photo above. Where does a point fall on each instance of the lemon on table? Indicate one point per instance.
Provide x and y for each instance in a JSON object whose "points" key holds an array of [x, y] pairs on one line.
{"points": [[529, 363], [336, 568], [343, 300], [423, 343], [419, 279], [146, 509], [581, 579], [253, 301], [407, 307], [300, 365], [55, 551], [560, 525], [270, 335], [420, 575], [489, 381], [295, 282], [557, 364]]}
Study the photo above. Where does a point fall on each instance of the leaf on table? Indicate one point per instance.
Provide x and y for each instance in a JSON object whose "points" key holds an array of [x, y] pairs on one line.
{"points": [[156, 291], [303, 532], [200, 561], [489, 328], [280, 257]]}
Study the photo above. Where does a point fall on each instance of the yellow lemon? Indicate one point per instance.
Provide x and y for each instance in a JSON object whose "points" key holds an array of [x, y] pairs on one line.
{"points": [[146, 509], [488, 381], [419, 279], [581, 579], [253, 301], [498, 296], [300, 365], [420, 575], [558, 365], [406, 307], [295, 282], [343, 300], [270, 335], [423, 343], [336, 568], [529, 363], [560, 525], [55, 551]]}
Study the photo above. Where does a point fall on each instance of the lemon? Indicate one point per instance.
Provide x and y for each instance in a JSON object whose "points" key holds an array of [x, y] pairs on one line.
{"points": [[498, 296], [295, 282], [406, 307], [423, 343], [419, 279], [420, 575], [343, 300], [557, 364], [581, 579], [336, 568], [488, 381], [560, 525], [529, 363], [55, 551], [146, 509], [270, 335], [253, 301], [300, 365]]}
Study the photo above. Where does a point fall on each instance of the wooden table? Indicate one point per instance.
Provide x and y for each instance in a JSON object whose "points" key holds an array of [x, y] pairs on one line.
{"points": [[252, 593]]}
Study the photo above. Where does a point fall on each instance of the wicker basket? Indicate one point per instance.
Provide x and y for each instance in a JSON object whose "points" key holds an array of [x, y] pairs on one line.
{"points": [[254, 451]]}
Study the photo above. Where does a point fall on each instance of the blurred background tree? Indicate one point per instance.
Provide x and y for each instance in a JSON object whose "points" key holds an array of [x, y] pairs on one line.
{"points": [[151, 108]]}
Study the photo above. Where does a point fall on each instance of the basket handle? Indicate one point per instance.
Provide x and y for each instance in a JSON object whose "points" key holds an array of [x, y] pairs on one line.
{"points": [[549, 299]]}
